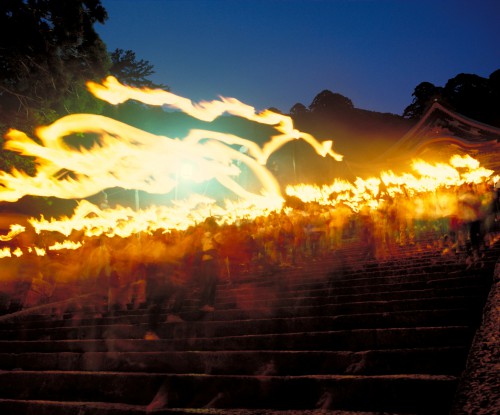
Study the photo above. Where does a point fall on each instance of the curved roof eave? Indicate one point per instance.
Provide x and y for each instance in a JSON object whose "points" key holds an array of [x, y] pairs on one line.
{"points": [[412, 136]]}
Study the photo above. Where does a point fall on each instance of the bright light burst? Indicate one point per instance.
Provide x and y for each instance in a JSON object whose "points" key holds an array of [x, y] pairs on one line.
{"points": [[130, 158], [367, 192]]}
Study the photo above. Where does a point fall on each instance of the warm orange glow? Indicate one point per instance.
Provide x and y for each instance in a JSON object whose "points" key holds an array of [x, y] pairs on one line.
{"points": [[5, 252], [15, 230], [129, 158], [65, 245], [114, 92], [428, 179]]}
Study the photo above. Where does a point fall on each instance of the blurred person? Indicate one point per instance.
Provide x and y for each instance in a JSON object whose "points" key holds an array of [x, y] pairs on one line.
{"points": [[300, 237], [405, 219], [496, 208], [316, 230], [367, 234], [487, 197], [168, 273], [40, 291], [137, 289], [339, 217], [166, 291], [29, 271], [237, 251], [470, 215], [117, 285], [285, 242], [209, 264]]}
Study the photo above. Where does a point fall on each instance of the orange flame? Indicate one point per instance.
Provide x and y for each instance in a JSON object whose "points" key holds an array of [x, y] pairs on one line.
{"points": [[65, 245], [15, 230], [365, 193], [130, 158], [114, 92]]}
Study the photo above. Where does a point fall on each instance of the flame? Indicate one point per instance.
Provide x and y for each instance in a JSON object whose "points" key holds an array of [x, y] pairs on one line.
{"points": [[114, 92], [38, 251], [63, 245], [130, 158], [127, 157], [429, 178], [5, 252], [15, 229]]}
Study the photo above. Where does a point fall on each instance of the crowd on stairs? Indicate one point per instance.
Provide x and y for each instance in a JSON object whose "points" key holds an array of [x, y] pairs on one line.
{"points": [[197, 261], [157, 270]]}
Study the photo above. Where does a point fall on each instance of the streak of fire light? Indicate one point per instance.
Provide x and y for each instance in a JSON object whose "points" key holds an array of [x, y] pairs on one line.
{"points": [[428, 178], [15, 230], [130, 158]]}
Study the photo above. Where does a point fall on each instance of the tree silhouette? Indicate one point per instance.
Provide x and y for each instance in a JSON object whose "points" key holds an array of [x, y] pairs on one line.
{"points": [[48, 49], [494, 104], [274, 109], [328, 102], [298, 109], [128, 70], [468, 94], [424, 94]]}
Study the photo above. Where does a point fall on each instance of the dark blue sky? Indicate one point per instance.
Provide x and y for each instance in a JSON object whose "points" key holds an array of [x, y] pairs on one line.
{"points": [[275, 53]]}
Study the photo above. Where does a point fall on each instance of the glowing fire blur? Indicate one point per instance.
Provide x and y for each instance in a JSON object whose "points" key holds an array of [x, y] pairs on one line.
{"points": [[127, 157], [131, 158], [373, 191]]}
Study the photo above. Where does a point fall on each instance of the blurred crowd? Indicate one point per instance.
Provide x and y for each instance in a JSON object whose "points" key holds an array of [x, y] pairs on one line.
{"points": [[157, 271]]}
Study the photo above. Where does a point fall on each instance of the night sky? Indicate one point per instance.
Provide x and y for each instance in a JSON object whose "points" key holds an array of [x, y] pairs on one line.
{"points": [[276, 53]]}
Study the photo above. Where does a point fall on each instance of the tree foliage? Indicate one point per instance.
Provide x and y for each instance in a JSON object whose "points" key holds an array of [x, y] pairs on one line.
{"points": [[468, 94], [298, 109], [424, 94], [328, 102], [131, 71], [48, 49]]}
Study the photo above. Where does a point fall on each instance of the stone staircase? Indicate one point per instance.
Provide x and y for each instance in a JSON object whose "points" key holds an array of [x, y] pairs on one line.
{"points": [[334, 336]]}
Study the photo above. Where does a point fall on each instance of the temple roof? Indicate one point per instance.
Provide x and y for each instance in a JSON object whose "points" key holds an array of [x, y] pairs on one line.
{"points": [[441, 132], [439, 121]]}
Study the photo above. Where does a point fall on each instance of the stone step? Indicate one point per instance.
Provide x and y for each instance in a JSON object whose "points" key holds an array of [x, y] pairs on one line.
{"points": [[386, 338], [224, 295], [245, 309], [249, 296], [282, 288], [137, 327], [340, 287], [11, 406], [359, 393], [427, 278], [424, 267], [295, 279], [437, 360], [329, 267], [250, 300], [270, 309], [333, 286], [354, 340]]}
